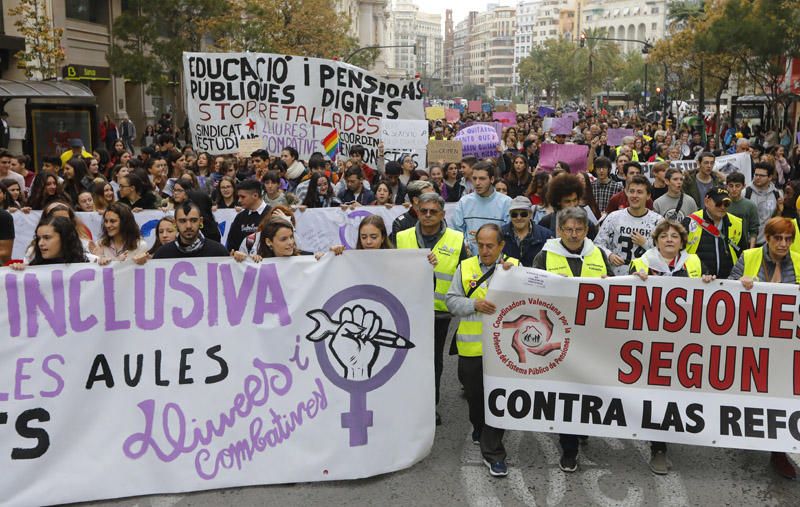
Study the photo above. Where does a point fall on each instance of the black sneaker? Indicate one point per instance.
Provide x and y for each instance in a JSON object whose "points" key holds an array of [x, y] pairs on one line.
{"points": [[568, 463], [438, 419], [584, 439], [497, 469], [476, 437]]}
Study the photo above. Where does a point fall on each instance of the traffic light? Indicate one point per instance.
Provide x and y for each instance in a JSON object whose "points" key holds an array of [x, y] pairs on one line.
{"points": [[583, 39]]}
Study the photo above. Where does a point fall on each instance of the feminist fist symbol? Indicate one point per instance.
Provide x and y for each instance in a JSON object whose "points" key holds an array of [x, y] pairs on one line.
{"points": [[356, 339], [532, 335]]}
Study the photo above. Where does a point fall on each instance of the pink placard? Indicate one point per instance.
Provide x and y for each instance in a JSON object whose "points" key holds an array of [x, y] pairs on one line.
{"points": [[475, 106], [562, 127], [508, 119], [452, 115], [576, 155], [615, 136]]}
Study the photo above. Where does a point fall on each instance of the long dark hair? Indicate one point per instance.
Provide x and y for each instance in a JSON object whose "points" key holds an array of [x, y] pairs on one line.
{"points": [[6, 201], [270, 230], [378, 222], [312, 193], [128, 227], [512, 177], [588, 195], [71, 246], [39, 198]]}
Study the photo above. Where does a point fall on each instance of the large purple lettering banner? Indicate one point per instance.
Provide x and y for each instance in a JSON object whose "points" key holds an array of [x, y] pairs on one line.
{"points": [[180, 376]]}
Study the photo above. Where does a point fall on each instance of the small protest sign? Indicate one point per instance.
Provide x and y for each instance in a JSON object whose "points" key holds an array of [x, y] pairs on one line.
{"points": [[576, 155], [508, 119], [479, 141], [447, 151], [248, 146], [475, 106], [405, 137], [452, 115], [434, 113], [522, 109], [615, 136]]}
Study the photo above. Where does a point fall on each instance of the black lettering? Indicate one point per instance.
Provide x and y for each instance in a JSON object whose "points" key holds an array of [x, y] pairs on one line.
{"points": [[133, 379], [185, 367], [514, 397], [159, 381], [729, 421], [695, 414], [496, 410], [38, 434], [100, 371], [223, 365]]}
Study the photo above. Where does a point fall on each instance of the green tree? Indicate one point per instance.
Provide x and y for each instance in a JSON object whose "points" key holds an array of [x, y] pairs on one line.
{"points": [[151, 36], [43, 54]]}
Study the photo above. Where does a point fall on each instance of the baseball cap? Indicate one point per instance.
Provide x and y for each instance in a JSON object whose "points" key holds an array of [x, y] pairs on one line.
{"points": [[719, 195], [520, 202], [75, 142]]}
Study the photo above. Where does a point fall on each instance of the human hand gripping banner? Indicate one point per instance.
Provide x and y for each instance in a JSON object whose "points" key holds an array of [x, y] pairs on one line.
{"points": [[180, 376], [666, 359]]}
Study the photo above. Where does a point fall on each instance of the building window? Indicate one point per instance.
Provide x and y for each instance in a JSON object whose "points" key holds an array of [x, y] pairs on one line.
{"points": [[654, 26], [93, 11], [655, 10]]}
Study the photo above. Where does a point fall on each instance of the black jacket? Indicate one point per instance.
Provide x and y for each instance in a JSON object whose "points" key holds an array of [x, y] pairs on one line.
{"points": [[530, 245]]}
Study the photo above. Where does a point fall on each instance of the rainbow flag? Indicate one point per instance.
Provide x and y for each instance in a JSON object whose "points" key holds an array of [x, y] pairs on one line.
{"points": [[331, 144]]}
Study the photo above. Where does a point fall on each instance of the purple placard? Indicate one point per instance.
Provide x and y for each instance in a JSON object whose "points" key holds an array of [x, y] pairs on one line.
{"points": [[508, 119], [479, 141], [545, 111], [576, 155], [452, 115], [475, 106], [615, 136], [573, 115], [562, 127]]}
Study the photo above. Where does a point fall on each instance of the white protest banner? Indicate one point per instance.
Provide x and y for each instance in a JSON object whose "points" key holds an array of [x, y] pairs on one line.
{"points": [[233, 96], [736, 163], [681, 165], [320, 228], [188, 375], [405, 137], [667, 359], [317, 228], [25, 226]]}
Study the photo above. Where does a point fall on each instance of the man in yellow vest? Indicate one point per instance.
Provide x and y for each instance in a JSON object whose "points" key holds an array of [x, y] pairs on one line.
{"points": [[76, 151], [774, 262], [572, 254], [715, 235], [447, 250], [467, 299]]}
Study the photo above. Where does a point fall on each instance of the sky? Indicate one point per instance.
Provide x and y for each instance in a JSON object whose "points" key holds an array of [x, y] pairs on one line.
{"points": [[460, 7]]}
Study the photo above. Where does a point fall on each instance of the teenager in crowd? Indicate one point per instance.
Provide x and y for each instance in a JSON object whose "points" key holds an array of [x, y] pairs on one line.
{"points": [[225, 194], [372, 234], [56, 242], [135, 192], [121, 237], [46, 189], [190, 242]]}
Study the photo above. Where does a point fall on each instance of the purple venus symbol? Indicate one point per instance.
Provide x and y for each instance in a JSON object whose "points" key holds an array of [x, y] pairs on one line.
{"points": [[343, 229], [359, 418]]}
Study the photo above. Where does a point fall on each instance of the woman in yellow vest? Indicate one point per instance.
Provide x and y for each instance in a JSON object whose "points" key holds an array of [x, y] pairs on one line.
{"points": [[572, 254], [667, 258], [773, 262]]}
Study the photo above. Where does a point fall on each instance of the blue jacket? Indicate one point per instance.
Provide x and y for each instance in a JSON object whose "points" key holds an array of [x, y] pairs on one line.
{"points": [[530, 245], [473, 211]]}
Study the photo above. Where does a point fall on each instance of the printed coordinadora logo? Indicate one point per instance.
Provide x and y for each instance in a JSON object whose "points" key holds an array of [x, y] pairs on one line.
{"points": [[532, 341]]}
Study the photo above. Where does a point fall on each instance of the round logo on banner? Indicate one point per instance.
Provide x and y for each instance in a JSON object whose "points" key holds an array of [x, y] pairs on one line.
{"points": [[358, 350], [532, 338]]}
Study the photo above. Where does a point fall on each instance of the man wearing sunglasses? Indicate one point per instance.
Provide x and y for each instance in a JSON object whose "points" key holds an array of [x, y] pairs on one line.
{"points": [[446, 252], [523, 238], [715, 235]]}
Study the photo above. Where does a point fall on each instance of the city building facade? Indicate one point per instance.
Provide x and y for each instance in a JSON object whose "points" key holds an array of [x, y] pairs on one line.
{"points": [[407, 26]]}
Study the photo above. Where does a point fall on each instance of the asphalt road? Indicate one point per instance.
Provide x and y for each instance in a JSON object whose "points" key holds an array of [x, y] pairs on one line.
{"points": [[611, 472]]}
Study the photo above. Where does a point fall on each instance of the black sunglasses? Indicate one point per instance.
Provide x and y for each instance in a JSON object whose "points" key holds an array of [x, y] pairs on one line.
{"points": [[517, 214]]}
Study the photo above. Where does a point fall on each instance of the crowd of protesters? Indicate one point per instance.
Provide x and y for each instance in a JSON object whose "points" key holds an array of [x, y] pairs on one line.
{"points": [[610, 220]]}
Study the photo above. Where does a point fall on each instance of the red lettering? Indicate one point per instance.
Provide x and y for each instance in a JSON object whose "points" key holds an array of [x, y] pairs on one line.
{"points": [[222, 106], [626, 354], [714, 368], [728, 312], [654, 377], [204, 114], [697, 310], [671, 302], [616, 306], [646, 307], [690, 375], [757, 371], [590, 297], [752, 315], [777, 316], [797, 373]]}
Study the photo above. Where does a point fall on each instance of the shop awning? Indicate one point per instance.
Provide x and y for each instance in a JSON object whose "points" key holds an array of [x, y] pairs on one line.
{"points": [[43, 90]]}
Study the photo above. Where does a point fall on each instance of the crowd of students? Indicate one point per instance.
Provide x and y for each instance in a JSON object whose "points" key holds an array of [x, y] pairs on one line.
{"points": [[609, 220]]}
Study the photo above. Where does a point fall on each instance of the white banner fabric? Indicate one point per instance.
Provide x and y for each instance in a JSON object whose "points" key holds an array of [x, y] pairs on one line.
{"points": [[317, 229], [405, 137], [667, 359], [291, 101], [192, 375]]}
